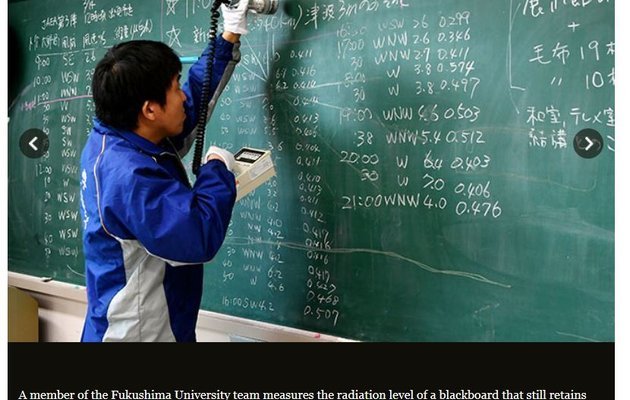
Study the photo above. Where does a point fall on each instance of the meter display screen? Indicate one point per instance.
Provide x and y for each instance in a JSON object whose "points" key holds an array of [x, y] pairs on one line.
{"points": [[248, 155]]}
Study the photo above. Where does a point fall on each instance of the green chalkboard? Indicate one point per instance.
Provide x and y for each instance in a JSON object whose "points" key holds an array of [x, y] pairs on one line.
{"points": [[428, 185]]}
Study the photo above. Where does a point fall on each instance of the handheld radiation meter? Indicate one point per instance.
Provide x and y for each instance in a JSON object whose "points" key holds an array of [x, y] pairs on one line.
{"points": [[253, 167], [209, 100]]}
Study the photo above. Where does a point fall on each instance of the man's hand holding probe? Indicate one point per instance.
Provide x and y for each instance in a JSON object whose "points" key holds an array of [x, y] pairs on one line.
{"points": [[234, 21], [234, 25]]}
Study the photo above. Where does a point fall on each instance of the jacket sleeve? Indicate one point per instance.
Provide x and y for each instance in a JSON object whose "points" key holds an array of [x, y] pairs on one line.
{"points": [[227, 55], [172, 221]]}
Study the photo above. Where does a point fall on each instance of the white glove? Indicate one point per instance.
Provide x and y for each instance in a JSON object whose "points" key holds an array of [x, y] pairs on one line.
{"points": [[235, 19], [224, 155]]}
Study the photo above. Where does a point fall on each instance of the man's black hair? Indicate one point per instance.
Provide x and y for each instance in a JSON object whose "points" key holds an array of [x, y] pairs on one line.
{"points": [[129, 74]]}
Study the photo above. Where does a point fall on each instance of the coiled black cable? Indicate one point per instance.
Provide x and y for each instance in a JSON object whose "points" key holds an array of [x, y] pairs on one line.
{"points": [[205, 90]]}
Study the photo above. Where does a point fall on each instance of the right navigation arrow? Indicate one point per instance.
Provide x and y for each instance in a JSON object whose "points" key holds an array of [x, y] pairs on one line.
{"points": [[590, 143]]}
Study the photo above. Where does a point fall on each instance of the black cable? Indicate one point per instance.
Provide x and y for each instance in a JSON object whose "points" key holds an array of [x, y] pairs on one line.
{"points": [[205, 90]]}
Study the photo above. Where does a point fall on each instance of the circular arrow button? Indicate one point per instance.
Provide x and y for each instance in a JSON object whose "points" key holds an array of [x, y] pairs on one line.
{"points": [[34, 143], [588, 143]]}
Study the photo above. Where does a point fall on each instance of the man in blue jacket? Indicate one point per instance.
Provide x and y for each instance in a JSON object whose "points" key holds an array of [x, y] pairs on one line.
{"points": [[146, 230]]}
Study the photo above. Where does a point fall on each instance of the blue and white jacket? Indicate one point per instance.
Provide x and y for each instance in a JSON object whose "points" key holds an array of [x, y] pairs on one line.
{"points": [[146, 230]]}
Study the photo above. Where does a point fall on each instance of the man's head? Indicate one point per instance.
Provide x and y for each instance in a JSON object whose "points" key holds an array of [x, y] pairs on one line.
{"points": [[132, 76]]}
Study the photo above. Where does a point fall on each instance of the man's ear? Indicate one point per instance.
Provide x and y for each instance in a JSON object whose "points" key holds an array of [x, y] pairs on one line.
{"points": [[148, 110]]}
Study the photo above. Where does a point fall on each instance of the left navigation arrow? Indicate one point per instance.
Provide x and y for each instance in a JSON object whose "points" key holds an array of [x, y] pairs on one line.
{"points": [[34, 143]]}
